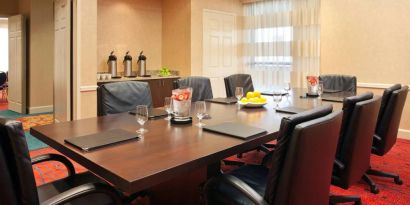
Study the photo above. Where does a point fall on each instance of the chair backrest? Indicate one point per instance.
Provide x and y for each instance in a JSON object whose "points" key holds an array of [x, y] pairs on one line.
{"points": [[356, 143], [307, 168], [279, 156], [16, 173], [122, 97], [349, 104], [201, 86], [3, 78], [389, 121], [339, 82], [238, 80]]}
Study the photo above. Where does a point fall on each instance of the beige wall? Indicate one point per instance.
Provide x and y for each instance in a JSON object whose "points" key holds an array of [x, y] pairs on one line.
{"points": [[368, 39], [176, 35], [41, 55], [130, 25], [197, 7]]}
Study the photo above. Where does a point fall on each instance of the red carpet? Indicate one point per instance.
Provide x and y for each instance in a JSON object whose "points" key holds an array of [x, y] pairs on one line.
{"points": [[398, 161]]}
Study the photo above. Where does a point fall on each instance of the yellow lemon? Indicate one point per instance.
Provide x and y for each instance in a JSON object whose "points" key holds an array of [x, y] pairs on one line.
{"points": [[263, 99], [249, 95], [244, 100], [257, 94]]}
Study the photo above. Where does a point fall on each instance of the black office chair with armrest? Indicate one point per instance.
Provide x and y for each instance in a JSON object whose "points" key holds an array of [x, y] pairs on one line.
{"points": [[18, 183], [238, 80], [388, 123], [201, 86], [354, 147], [296, 176], [122, 97], [339, 83]]}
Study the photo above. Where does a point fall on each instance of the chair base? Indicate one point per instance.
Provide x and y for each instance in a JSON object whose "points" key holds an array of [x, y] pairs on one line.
{"points": [[345, 199], [378, 173], [373, 187]]}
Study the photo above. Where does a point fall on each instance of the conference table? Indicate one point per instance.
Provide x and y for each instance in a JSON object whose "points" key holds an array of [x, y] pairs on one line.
{"points": [[170, 160]]}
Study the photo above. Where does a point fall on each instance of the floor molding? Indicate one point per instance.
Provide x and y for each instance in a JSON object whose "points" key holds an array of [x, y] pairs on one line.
{"points": [[41, 109], [404, 134]]}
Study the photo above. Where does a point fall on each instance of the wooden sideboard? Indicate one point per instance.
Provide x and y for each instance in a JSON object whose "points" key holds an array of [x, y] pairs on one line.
{"points": [[161, 87]]}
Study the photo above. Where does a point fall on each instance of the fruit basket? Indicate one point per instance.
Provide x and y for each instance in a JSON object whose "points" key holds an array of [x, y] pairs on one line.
{"points": [[253, 100]]}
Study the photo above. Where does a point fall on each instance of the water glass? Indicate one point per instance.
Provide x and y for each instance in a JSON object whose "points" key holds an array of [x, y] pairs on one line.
{"points": [[277, 97], [200, 110], [288, 87], [239, 94], [320, 90], [168, 107], [141, 114]]}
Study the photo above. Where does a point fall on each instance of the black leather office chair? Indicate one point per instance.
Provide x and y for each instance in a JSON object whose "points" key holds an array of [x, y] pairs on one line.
{"points": [[354, 147], [388, 123], [296, 176], [341, 83], [18, 183], [122, 97], [201, 86], [238, 80]]}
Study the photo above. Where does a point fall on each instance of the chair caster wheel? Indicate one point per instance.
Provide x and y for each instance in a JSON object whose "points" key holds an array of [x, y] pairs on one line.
{"points": [[374, 190], [398, 181]]}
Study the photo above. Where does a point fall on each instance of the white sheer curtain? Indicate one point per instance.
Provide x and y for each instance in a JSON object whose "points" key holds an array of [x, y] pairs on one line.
{"points": [[281, 41]]}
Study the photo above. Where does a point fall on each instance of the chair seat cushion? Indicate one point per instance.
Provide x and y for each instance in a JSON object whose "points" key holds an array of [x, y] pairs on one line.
{"points": [[46, 191], [254, 175]]}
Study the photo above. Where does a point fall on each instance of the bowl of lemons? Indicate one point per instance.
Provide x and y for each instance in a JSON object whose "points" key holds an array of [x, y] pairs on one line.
{"points": [[253, 99]]}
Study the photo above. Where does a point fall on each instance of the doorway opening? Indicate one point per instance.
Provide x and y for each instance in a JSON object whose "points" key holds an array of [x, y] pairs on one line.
{"points": [[4, 62]]}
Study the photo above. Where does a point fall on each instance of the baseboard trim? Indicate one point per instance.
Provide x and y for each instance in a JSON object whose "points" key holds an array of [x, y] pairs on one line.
{"points": [[374, 85], [404, 134], [40, 109]]}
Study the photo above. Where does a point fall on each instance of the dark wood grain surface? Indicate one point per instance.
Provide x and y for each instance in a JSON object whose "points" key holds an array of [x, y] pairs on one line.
{"points": [[165, 151]]}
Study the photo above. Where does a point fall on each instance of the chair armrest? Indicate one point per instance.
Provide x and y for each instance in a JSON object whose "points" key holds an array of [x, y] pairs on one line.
{"points": [[55, 157], [84, 190], [339, 164], [237, 184]]}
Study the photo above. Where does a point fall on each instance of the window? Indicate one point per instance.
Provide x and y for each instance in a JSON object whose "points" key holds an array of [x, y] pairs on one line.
{"points": [[4, 48]]}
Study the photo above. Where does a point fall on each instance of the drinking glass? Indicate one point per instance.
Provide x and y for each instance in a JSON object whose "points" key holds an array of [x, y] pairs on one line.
{"points": [[288, 87], [277, 97], [141, 114], [320, 90], [200, 110], [239, 94], [168, 107]]}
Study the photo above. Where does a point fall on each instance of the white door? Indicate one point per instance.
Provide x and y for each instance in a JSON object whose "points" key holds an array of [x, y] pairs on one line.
{"points": [[219, 48], [17, 64], [62, 60]]}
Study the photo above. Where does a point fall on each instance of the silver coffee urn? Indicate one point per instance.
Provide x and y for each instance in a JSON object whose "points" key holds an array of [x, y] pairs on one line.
{"points": [[112, 64], [142, 65], [127, 65]]}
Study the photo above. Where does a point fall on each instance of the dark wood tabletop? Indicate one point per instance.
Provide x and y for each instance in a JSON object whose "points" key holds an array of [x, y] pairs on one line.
{"points": [[166, 150]]}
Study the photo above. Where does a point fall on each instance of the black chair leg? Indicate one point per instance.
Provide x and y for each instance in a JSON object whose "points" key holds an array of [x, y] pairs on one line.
{"points": [[378, 173], [373, 187], [333, 199]]}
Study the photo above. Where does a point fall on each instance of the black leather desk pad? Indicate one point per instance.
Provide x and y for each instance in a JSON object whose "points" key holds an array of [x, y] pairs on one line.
{"points": [[223, 100], [102, 139], [291, 110], [234, 129]]}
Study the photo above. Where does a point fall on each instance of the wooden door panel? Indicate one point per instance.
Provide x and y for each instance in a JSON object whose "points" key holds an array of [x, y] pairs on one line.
{"points": [[17, 64], [62, 60]]}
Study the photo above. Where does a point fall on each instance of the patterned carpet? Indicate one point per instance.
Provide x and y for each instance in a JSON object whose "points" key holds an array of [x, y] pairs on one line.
{"points": [[398, 161]]}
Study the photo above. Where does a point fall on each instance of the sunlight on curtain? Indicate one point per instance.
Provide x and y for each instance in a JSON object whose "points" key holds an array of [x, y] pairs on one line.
{"points": [[4, 47], [281, 41]]}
